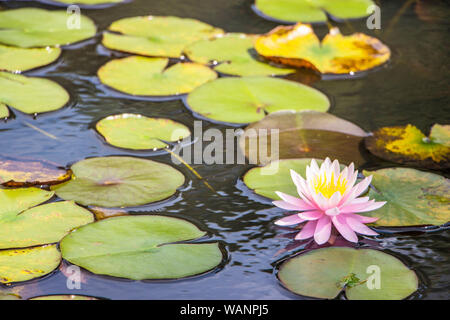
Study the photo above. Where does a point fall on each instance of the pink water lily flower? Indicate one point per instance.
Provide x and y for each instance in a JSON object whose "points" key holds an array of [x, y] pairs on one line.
{"points": [[328, 197]]}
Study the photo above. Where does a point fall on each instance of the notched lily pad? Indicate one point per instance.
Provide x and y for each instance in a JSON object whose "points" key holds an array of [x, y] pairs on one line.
{"points": [[408, 145], [156, 36], [18, 173], [119, 182], [142, 76], [16, 59], [249, 99], [34, 27], [137, 132], [25, 264], [298, 46], [292, 11], [230, 54], [305, 134], [31, 94], [141, 247], [414, 198], [364, 274]]}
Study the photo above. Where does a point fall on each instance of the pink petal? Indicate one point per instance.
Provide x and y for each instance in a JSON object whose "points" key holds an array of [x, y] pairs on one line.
{"points": [[334, 200], [362, 207], [320, 201], [307, 231], [344, 230], [289, 206], [299, 203], [323, 230], [310, 215], [362, 219], [289, 220], [359, 227]]}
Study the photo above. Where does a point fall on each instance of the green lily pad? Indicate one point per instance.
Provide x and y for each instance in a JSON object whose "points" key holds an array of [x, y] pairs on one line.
{"points": [[230, 53], [25, 264], [33, 27], [137, 132], [321, 274], [88, 3], [63, 297], [141, 247], [306, 134], [408, 145], [249, 99], [4, 112], [143, 76], [43, 224], [119, 182], [291, 11], [156, 36], [414, 198], [18, 200], [30, 94], [16, 59]]}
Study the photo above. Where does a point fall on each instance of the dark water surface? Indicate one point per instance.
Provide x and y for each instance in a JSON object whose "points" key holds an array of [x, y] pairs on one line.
{"points": [[412, 88]]}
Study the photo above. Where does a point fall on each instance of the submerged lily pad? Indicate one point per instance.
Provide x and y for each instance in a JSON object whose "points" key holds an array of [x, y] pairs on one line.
{"points": [[30, 94], [298, 46], [64, 297], [143, 76], [408, 145], [305, 134], [249, 99], [322, 273], [16, 59], [119, 182], [414, 198], [137, 132], [291, 11], [230, 55], [156, 36], [43, 224], [141, 247], [33, 27], [25, 264], [17, 173]]}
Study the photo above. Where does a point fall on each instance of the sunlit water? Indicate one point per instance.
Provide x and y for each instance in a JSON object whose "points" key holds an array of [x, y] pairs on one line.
{"points": [[412, 88]]}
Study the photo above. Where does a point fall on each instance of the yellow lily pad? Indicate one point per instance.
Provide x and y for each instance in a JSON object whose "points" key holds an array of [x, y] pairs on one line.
{"points": [[298, 46], [142, 76], [25, 264], [16, 59], [408, 145], [4, 112]]}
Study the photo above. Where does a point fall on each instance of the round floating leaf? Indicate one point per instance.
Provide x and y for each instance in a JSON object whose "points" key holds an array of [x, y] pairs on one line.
{"points": [[408, 145], [31, 95], [16, 59], [119, 182], [17, 173], [306, 134], [249, 99], [143, 76], [231, 54], [141, 247], [17, 200], [324, 273], [87, 3], [337, 54], [64, 296], [4, 112], [156, 36], [291, 11], [137, 132], [33, 27], [25, 264], [43, 224], [414, 197]]}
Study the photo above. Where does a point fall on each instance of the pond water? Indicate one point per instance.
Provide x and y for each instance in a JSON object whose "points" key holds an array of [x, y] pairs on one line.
{"points": [[412, 88]]}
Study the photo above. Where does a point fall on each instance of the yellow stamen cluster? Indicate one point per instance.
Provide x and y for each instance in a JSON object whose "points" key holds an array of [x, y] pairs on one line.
{"points": [[327, 187]]}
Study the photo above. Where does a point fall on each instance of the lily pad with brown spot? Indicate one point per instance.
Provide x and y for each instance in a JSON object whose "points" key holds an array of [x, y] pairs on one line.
{"points": [[304, 134], [413, 197], [19, 173], [408, 145], [298, 46], [18, 265], [137, 132], [119, 182], [142, 76]]}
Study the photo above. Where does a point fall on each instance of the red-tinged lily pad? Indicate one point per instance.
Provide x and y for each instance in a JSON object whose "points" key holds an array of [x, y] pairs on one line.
{"points": [[408, 145], [305, 134], [298, 46], [364, 274]]}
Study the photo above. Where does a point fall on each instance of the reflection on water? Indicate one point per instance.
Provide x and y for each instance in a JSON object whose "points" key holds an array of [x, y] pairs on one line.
{"points": [[413, 88]]}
